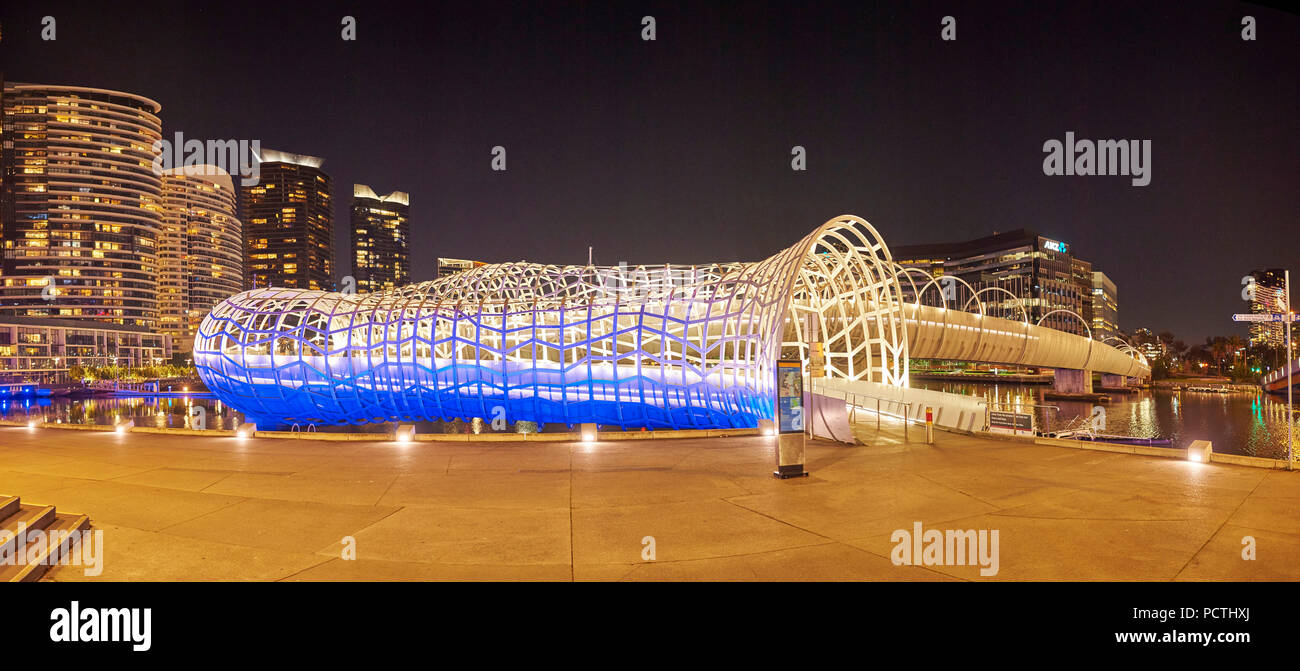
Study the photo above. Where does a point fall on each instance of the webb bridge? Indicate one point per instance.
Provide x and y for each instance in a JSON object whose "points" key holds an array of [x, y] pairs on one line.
{"points": [[661, 347]]}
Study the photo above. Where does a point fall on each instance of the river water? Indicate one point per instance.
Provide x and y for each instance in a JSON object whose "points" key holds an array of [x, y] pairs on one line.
{"points": [[1237, 423], [203, 411]]}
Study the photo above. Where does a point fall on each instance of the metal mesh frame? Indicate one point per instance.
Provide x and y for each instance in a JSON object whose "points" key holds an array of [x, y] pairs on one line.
{"points": [[647, 346]]}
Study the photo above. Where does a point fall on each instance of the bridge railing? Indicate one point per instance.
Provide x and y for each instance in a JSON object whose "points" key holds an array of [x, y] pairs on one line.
{"points": [[1280, 373], [853, 400]]}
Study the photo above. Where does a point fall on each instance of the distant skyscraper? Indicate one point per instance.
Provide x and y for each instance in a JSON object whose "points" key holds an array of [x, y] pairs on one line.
{"points": [[1081, 273], [288, 223], [79, 203], [381, 230], [200, 251], [452, 266], [1270, 297], [1148, 343], [1105, 307]]}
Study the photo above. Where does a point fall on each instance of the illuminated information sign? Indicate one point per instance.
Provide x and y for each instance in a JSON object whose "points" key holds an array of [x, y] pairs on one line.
{"points": [[789, 396]]}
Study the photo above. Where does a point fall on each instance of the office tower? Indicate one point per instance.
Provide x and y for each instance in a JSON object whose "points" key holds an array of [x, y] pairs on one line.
{"points": [[200, 250], [1081, 274], [381, 230], [288, 223], [1105, 307], [1038, 271], [79, 204]]}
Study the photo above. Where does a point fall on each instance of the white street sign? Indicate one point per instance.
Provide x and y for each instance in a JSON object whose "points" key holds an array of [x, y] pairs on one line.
{"points": [[1263, 317]]}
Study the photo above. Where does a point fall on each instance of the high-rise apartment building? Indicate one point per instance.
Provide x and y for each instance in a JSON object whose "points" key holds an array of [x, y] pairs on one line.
{"points": [[79, 204], [288, 223], [200, 249], [381, 232], [1269, 297]]}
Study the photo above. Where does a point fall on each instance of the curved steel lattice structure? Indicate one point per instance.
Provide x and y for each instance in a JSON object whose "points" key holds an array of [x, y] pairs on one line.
{"points": [[653, 346], [650, 346]]}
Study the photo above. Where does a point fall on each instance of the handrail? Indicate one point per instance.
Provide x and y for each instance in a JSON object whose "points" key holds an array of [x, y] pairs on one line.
{"points": [[907, 418]]}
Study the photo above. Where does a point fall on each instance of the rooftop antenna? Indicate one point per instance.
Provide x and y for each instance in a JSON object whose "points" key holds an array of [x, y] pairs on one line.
{"points": [[588, 255]]}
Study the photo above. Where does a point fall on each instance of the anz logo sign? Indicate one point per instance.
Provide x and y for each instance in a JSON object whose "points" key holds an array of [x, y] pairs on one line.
{"points": [[1054, 246]]}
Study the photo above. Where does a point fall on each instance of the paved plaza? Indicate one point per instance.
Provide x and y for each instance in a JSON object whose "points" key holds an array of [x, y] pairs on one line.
{"points": [[217, 508]]}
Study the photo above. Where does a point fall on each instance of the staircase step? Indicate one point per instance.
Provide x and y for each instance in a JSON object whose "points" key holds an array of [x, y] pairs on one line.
{"points": [[63, 525], [34, 516], [8, 506]]}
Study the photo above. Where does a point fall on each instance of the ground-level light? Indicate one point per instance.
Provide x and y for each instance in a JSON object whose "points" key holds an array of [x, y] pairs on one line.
{"points": [[1199, 451]]}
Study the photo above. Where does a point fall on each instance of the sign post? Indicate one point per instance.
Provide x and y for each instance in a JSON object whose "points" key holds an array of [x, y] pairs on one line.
{"points": [[1287, 317], [789, 419], [1291, 418], [1013, 421], [1262, 317]]}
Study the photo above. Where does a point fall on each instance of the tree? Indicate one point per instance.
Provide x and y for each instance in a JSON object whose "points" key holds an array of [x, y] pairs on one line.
{"points": [[1178, 354]]}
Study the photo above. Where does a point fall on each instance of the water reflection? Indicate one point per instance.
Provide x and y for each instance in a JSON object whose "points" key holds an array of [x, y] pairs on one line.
{"points": [[206, 411], [191, 412], [1237, 423]]}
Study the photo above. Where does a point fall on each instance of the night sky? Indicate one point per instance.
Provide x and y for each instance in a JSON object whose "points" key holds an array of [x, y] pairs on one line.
{"points": [[678, 150]]}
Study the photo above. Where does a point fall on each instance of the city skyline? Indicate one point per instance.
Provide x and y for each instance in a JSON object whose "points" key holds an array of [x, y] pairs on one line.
{"points": [[706, 160], [774, 291]]}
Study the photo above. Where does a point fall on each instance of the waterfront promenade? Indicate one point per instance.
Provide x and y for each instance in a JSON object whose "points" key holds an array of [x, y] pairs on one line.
{"points": [[201, 508]]}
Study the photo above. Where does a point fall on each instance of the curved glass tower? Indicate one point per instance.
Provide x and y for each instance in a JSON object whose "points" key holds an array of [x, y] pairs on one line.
{"points": [[200, 249], [80, 204]]}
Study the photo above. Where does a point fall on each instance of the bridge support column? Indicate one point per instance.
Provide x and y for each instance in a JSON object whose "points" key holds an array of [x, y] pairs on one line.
{"points": [[1111, 381], [1072, 381]]}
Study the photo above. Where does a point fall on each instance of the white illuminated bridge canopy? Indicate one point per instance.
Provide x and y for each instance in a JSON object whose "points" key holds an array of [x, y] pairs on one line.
{"points": [[646, 346]]}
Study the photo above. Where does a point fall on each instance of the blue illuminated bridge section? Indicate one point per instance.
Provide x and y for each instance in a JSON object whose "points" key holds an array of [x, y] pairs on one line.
{"points": [[647, 346]]}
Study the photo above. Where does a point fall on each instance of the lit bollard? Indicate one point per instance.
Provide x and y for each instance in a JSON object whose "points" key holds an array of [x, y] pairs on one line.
{"points": [[404, 433], [929, 425], [1200, 451]]}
